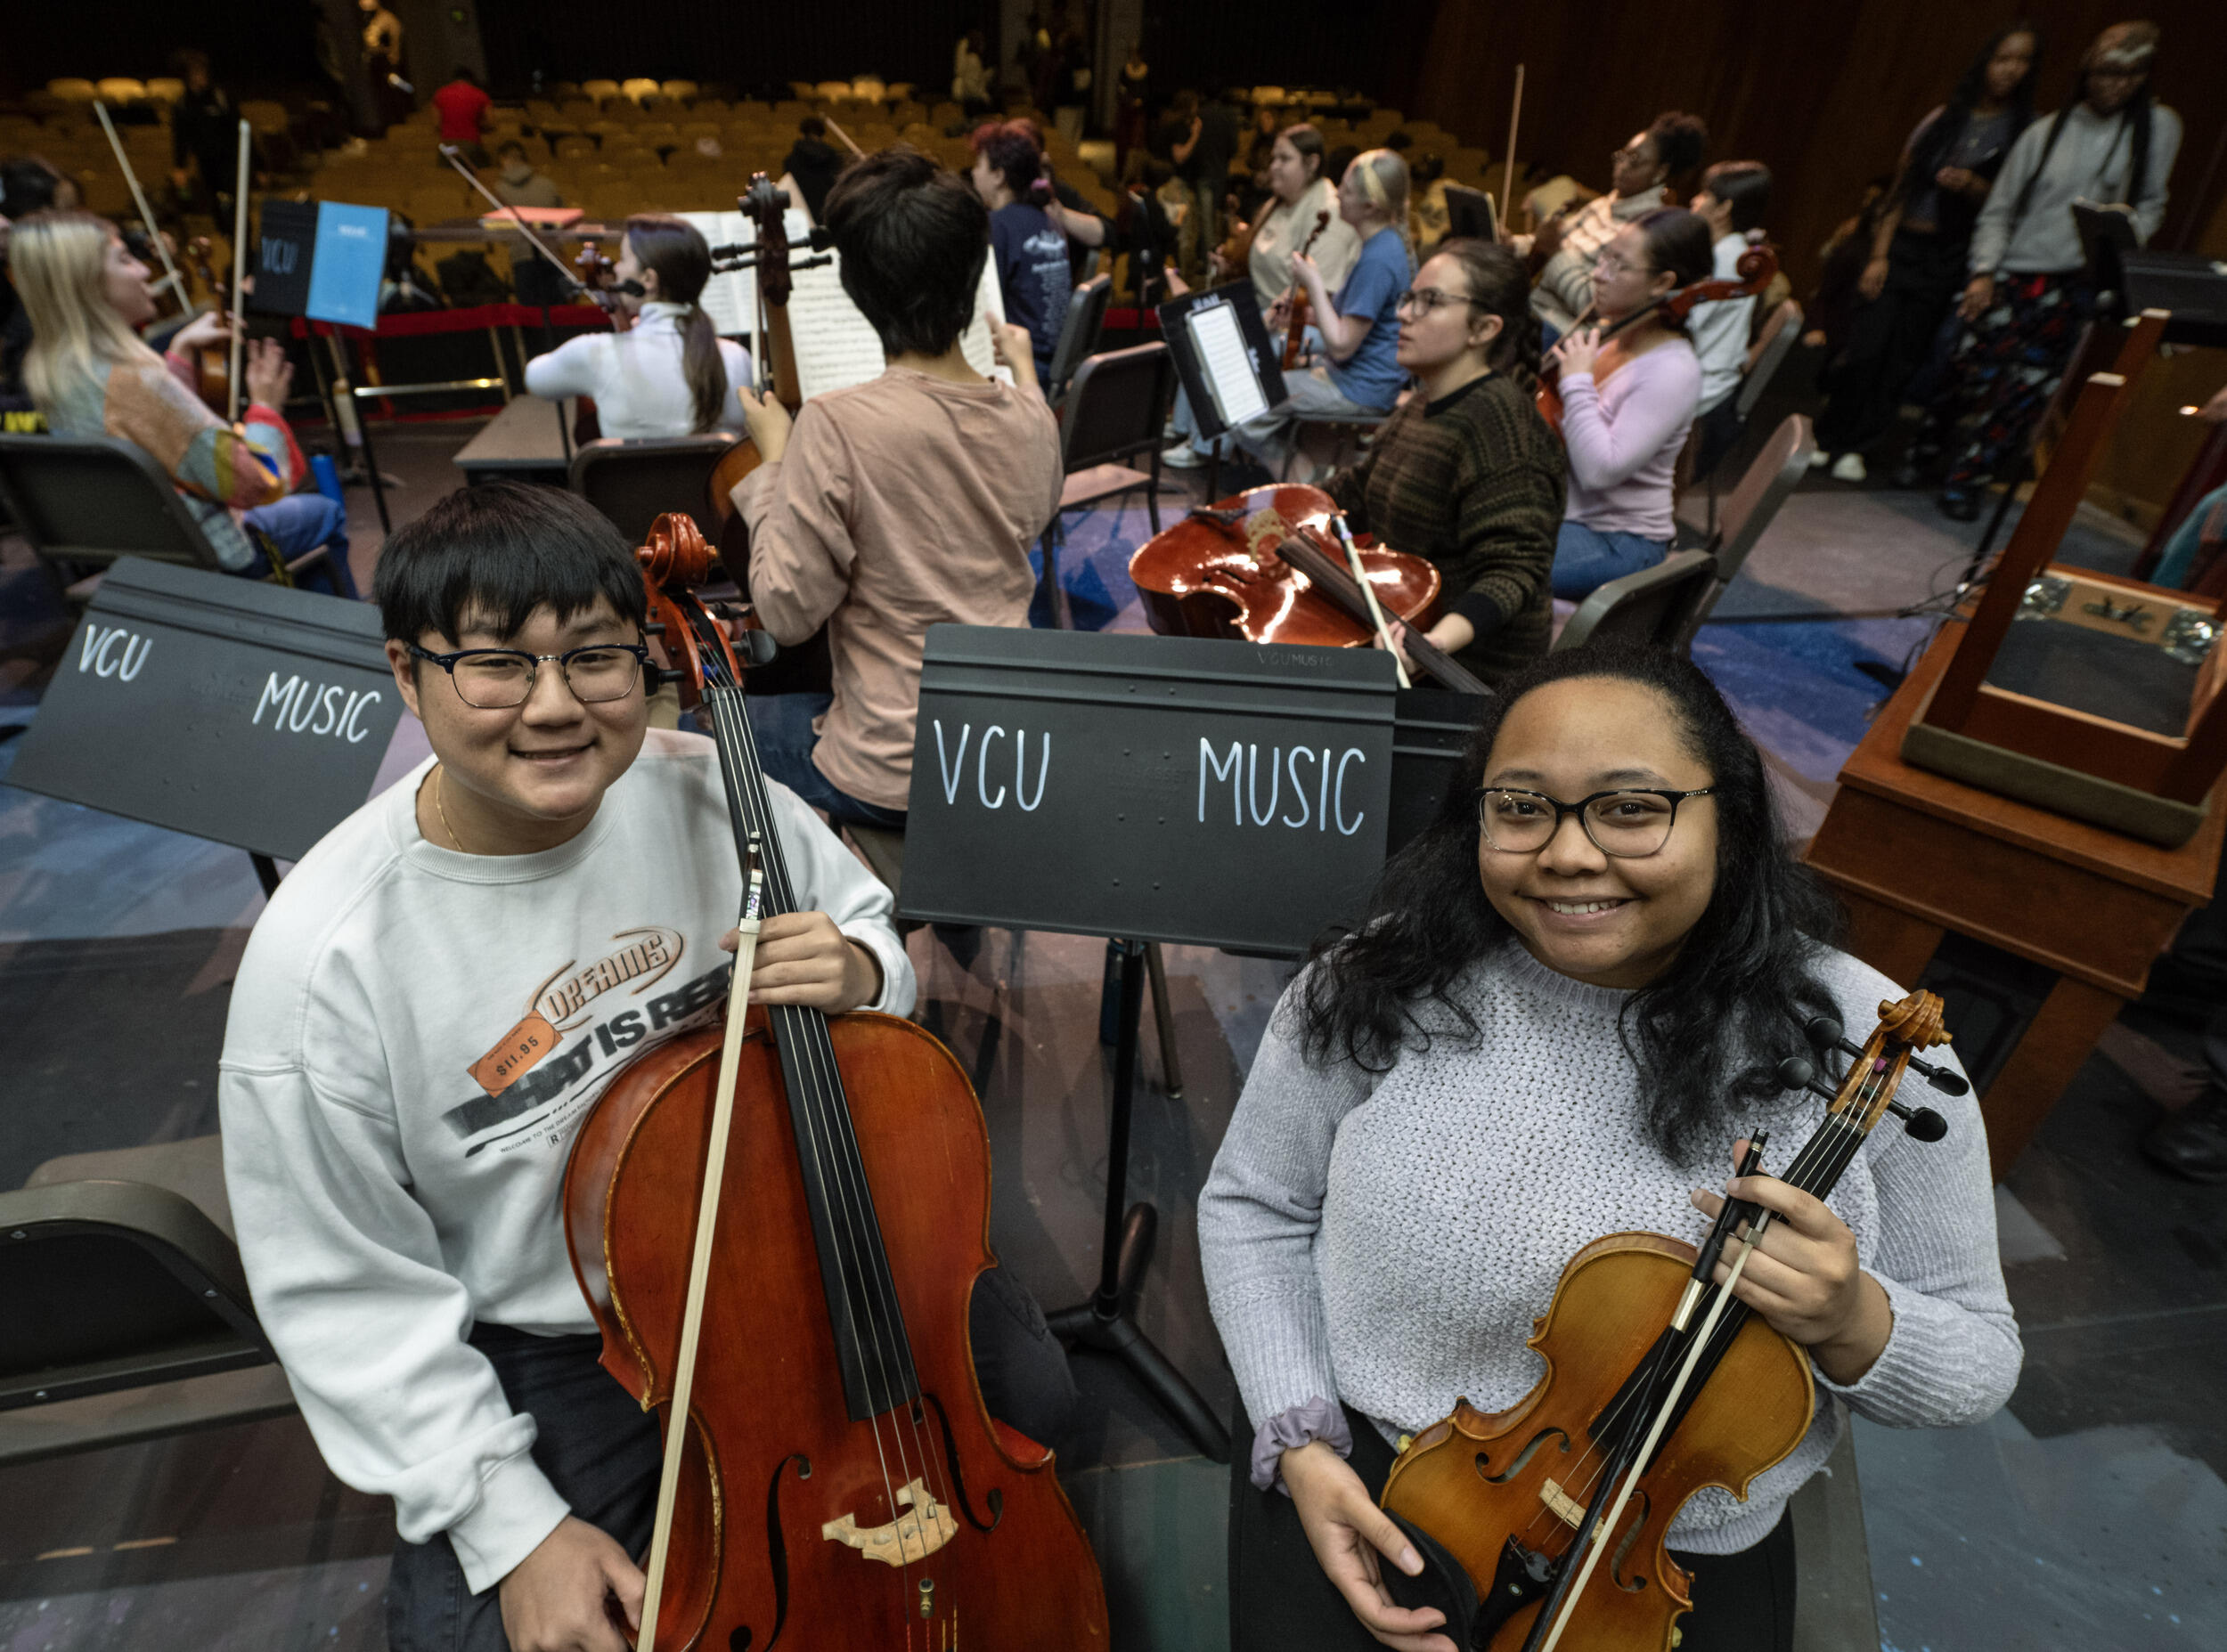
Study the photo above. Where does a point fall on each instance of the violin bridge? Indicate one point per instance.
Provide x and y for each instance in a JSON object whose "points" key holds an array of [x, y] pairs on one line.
{"points": [[909, 1538], [1566, 1509]]}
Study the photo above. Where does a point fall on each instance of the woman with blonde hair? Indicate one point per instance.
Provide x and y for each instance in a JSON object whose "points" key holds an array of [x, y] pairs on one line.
{"points": [[90, 374]]}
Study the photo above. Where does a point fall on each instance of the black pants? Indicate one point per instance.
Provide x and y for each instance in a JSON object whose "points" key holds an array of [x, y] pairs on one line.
{"points": [[1281, 1601], [602, 1452], [1890, 341]]}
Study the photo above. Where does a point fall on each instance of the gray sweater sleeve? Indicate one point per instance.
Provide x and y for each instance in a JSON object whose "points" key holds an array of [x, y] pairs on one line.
{"points": [[1258, 1213]]}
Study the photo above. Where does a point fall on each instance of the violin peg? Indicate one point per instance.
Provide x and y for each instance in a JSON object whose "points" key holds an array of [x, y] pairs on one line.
{"points": [[1794, 1073], [1941, 1078], [1922, 1122], [1823, 1031]]}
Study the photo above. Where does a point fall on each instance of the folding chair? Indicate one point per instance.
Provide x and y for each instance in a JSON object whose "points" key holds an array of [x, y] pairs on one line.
{"points": [[1112, 411], [634, 482], [1648, 607]]}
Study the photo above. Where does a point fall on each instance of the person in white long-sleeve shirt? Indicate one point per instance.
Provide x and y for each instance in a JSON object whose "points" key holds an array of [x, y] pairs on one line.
{"points": [[668, 373], [1568, 999], [435, 998], [2029, 293]]}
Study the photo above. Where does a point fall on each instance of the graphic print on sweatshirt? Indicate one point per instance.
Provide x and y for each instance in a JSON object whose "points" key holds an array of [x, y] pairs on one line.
{"points": [[538, 1078]]}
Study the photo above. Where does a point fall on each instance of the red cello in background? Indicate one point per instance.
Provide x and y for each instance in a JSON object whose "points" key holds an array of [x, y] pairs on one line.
{"points": [[1754, 272], [778, 1225]]}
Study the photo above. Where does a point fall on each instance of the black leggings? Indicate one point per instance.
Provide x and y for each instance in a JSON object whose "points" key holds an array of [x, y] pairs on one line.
{"points": [[1281, 1601]]}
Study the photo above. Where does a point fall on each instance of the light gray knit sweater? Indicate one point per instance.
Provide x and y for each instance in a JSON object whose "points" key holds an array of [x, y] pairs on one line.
{"points": [[1387, 1242]]}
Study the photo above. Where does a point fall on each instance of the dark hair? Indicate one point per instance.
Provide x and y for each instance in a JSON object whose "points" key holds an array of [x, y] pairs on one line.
{"points": [[674, 248], [1307, 138], [1742, 185], [189, 61], [2133, 120], [493, 554], [1399, 139], [1499, 284], [913, 238], [512, 148], [1680, 141], [812, 126], [1677, 241], [28, 184], [1705, 1036], [1940, 135], [1010, 147], [464, 73]]}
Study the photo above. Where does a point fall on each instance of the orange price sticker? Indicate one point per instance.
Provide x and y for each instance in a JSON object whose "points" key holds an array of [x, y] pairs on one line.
{"points": [[515, 1054]]}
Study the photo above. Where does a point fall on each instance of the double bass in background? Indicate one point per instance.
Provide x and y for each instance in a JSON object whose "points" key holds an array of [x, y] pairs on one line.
{"points": [[1552, 1516], [778, 1225]]}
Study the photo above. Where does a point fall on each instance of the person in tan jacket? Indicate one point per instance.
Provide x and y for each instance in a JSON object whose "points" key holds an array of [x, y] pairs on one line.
{"points": [[907, 502]]}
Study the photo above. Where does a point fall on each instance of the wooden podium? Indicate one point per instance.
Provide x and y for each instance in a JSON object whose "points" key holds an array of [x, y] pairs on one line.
{"points": [[1915, 855]]}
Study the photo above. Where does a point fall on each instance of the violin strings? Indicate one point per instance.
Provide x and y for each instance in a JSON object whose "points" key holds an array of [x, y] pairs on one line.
{"points": [[868, 1284]]}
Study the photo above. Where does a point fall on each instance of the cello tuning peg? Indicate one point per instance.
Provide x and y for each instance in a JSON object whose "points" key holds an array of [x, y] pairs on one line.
{"points": [[1942, 1079], [1823, 1031], [1794, 1073], [1922, 1122]]}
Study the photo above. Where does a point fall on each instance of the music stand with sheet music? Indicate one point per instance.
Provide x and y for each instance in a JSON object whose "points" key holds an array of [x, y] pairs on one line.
{"points": [[1229, 370], [1471, 212]]}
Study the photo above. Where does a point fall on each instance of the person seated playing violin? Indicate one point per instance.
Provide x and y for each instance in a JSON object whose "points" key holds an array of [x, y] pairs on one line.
{"points": [[907, 502], [1357, 333], [1467, 473], [1628, 403], [1567, 999], [663, 370], [1564, 250], [90, 374], [559, 878]]}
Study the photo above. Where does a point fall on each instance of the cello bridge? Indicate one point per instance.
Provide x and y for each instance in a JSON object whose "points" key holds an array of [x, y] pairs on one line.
{"points": [[1566, 1508], [910, 1537]]}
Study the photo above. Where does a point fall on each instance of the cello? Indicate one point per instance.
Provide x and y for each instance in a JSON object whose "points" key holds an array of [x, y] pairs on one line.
{"points": [[1754, 272], [1658, 1383], [1296, 329], [1266, 567], [766, 206], [777, 1225]]}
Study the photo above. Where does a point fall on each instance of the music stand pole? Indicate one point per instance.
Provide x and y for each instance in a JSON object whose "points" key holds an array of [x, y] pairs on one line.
{"points": [[1106, 1324]]}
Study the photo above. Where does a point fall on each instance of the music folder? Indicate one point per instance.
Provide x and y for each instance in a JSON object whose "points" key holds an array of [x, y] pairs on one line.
{"points": [[1229, 370]]}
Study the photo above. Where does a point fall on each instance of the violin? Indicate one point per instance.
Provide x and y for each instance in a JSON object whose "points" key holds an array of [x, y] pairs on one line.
{"points": [[1266, 565], [601, 284], [1296, 331], [778, 1225], [1754, 272], [212, 363], [1658, 1383]]}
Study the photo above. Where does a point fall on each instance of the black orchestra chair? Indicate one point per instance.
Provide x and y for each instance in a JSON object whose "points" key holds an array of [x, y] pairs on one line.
{"points": [[127, 1309], [1078, 335], [634, 482], [1651, 606], [1748, 510], [1112, 412], [83, 501]]}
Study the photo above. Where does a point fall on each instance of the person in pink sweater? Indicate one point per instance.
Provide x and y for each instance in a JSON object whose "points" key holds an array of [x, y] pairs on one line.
{"points": [[1628, 405]]}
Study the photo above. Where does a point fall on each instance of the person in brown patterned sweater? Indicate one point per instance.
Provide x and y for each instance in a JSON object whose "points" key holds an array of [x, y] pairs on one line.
{"points": [[1466, 472]]}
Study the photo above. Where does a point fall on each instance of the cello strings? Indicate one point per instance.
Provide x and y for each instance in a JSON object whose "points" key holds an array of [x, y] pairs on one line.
{"points": [[868, 1284]]}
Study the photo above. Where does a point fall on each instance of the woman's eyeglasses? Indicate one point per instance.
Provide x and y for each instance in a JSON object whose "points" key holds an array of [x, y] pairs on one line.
{"points": [[1609, 263], [1629, 824], [1426, 301]]}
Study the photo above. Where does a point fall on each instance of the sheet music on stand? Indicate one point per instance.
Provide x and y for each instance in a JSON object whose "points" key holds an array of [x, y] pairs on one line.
{"points": [[836, 346], [1229, 371]]}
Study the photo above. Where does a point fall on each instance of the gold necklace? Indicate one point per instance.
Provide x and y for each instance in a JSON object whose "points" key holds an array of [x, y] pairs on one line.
{"points": [[441, 809]]}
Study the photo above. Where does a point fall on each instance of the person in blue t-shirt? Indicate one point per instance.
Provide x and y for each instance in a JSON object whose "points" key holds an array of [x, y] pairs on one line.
{"points": [[1356, 373], [1029, 250]]}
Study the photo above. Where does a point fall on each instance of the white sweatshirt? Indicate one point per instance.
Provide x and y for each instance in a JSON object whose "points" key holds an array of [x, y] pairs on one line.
{"points": [[640, 386], [386, 1199]]}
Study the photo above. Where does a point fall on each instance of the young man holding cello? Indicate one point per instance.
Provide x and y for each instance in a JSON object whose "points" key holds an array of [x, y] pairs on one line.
{"points": [[436, 996]]}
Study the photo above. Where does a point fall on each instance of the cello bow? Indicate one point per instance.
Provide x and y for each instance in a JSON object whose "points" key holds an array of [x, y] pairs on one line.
{"points": [[1324, 573]]}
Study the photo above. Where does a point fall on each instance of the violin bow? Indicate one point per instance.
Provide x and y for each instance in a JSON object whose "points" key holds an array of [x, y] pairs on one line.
{"points": [[1376, 608], [1507, 170], [848, 142], [452, 154], [238, 265], [171, 278]]}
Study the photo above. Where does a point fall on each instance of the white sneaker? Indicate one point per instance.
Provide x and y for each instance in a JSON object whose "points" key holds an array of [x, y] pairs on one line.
{"points": [[1819, 459], [1849, 467], [1182, 456]]}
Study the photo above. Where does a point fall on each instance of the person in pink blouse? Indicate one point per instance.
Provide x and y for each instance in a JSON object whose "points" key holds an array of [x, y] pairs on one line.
{"points": [[90, 374], [1628, 405]]}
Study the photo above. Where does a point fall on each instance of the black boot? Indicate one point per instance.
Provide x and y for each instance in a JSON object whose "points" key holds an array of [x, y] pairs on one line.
{"points": [[2192, 1144]]}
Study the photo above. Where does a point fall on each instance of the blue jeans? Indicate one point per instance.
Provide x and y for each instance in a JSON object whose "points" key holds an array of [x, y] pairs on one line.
{"points": [[1586, 558], [602, 1453], [297, 525], [782, 725]]}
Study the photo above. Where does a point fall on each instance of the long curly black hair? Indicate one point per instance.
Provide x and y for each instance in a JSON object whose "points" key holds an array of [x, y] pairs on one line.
{"points": [[1707, 1036]]}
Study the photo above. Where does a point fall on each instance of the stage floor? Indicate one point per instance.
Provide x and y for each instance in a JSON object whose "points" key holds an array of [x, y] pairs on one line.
{"points": [[2092, 1504]]}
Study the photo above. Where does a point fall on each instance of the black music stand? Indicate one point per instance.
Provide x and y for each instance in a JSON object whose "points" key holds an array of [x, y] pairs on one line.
{"points": [[1139, 827]]}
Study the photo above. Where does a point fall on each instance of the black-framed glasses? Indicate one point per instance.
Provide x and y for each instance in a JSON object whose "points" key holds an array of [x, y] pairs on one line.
{"points": [[499, 679], [1427, 299], [1629, 823]]}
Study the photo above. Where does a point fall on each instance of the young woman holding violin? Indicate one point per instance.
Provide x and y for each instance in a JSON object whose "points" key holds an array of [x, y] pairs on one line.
{"points": [[90, 374], [1357, 331], [662, 370], [1568, 999], [1466, 472], [1629, 385], [426, 1011]]}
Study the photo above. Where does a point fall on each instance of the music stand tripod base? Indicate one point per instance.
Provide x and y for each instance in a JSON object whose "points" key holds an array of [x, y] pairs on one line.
{"points": [[1107, 1322]]}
